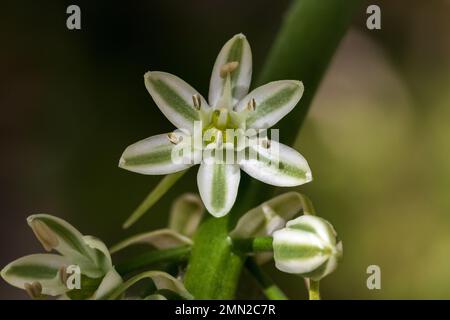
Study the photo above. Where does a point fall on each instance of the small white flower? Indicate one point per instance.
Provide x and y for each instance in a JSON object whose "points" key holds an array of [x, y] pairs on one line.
{"points": [[230, 107]]}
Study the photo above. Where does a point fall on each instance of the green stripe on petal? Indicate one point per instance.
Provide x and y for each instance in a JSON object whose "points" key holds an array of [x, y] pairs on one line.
{"points": [[236, 49], [320, 227], [273, 101], [278, 165], [42, 268], [155, 156], [218, 185], [173, 96], [294, 251]]}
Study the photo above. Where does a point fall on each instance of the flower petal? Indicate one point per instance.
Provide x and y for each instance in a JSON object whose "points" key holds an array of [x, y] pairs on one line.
{"points": [[42, 268], [277, 165], [110, 282], [269, 216], [102, 256], [186, 213], [218, 185], [55, 233], [236, 49], [162, 280], [173, 97], [160, 239], [155, 296], [273, 101], [157, 155]]}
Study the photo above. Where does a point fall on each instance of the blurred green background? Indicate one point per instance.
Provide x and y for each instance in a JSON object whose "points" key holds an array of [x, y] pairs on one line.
{"points": [[377, 135]]}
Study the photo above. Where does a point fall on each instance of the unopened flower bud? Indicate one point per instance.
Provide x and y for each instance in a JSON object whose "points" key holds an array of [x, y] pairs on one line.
{"points": [[307, 246]]}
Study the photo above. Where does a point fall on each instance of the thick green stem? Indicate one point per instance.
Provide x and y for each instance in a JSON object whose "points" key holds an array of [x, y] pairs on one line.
{"points": [[270, 289], [303, 49], [153, 257], [314, 293]]}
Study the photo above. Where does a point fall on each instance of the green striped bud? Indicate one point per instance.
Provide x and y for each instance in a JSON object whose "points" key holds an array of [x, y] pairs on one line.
{"points": [[307, 246]]}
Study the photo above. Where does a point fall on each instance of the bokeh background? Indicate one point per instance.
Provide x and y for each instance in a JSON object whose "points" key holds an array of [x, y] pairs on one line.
{"points": [[377, 136]]}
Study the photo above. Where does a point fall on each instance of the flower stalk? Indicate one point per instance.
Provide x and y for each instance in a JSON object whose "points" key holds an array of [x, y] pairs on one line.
{"points": [[253, 245], [269, 288], [314, 292]]}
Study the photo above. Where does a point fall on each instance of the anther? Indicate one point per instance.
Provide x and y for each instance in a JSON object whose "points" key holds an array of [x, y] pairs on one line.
{"points": [[63, 274], [197, 101], [228, 68], [265, 143], [173, 138], [251, 105], [45, 235], [34, 289]]}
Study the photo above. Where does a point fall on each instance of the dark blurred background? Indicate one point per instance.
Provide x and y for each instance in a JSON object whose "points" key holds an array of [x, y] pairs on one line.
{"points": [[376, 136]]}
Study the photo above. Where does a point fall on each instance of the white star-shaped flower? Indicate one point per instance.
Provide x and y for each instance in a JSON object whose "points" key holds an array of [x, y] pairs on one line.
{"points": [[230, 107]]}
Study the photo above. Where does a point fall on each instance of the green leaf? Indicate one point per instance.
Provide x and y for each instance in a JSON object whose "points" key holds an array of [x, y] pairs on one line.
{"points": [[42, 268], [236, 49], [186, 214], [153, 257], [160, 239], [173, 96], [163, 186], [161, 279], [272, 102], [277, 165]]}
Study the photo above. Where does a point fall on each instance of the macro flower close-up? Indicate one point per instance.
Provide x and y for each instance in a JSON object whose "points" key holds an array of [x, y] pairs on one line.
{"points": [[231, 109], [237, 151]]}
